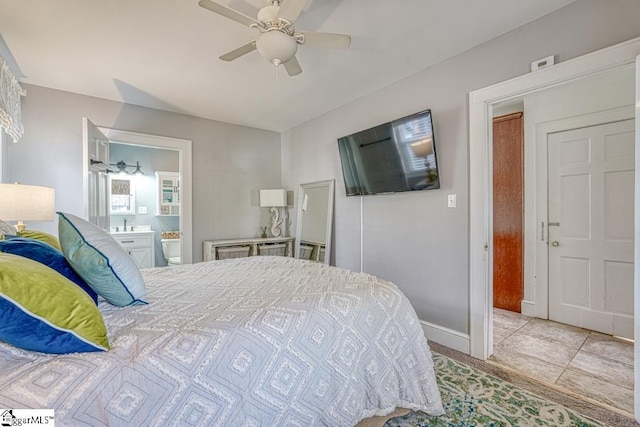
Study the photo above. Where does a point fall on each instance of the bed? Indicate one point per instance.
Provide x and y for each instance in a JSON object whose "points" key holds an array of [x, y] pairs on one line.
{"points": [[260, 341]]}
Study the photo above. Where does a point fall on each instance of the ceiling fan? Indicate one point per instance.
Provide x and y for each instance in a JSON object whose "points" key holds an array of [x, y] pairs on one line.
{"points": [[277, 40]]}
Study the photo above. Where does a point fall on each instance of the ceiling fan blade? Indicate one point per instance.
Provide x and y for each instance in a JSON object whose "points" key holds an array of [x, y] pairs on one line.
{"points": [[293, 67], [237, 53], [328, 40], [226, 12], [291, 9]]}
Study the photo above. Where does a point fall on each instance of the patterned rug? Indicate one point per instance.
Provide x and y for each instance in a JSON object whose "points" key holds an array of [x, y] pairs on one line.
{"points": [[474, 398]]}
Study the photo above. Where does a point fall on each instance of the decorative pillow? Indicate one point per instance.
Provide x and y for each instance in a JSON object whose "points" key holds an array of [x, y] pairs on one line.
{"points": [[41, 310], [42, 236], [47, 255], [100, 261], [6, 228]]}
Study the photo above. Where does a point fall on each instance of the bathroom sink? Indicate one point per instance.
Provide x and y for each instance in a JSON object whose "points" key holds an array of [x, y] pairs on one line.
{"points": [[130, 229]]}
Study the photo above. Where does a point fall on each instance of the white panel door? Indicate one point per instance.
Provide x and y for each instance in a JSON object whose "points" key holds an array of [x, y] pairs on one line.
{"points": [[97, 149], [591, 227]]}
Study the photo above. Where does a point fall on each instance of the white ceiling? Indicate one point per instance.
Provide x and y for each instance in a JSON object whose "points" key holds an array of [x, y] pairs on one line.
{"points": [[164, 53]]}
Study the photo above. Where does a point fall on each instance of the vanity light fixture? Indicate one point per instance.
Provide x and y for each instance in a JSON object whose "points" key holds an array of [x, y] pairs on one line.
{"points": [[138, 171], [20, 202], [122, 168], [274, 199]]}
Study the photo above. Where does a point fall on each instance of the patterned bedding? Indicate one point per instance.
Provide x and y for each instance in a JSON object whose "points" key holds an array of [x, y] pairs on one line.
{"points": [[259, 341]]}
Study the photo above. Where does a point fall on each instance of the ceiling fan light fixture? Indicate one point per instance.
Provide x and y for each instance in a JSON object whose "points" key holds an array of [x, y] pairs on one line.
{"points": [[268, 13], [276, 46]]}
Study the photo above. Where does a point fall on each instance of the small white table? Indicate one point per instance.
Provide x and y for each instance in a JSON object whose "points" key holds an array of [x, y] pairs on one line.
{"points": [[210, 247]]}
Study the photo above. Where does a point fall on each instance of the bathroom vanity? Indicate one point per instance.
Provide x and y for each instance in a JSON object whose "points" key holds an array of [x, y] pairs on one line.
{"points": [[139, 245]]}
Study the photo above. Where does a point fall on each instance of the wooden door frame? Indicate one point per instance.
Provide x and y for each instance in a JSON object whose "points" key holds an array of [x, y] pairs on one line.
{"points": [[481, 103]]}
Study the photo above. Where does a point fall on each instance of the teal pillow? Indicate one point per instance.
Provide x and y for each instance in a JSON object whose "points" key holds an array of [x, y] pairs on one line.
{"points": [[103, 264], [41, 310]]}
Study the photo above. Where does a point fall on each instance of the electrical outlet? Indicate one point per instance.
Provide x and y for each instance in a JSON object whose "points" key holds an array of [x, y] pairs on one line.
{"points": [[451, 201], [142, 210]]}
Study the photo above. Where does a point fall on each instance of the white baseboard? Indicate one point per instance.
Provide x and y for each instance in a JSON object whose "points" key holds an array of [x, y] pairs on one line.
{"points": [[447, 337], [528, 308]]}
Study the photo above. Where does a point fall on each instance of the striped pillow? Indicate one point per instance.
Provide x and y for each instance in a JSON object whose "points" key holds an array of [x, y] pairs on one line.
{"points": [[41, 310]]}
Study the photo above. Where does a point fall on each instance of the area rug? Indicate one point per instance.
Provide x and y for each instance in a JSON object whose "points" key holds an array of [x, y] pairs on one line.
{"points": [[474, 398]]}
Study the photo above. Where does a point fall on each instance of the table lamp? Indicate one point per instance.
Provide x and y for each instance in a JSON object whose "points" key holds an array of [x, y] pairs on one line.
{"points": [[274, 199], [19, 202]]}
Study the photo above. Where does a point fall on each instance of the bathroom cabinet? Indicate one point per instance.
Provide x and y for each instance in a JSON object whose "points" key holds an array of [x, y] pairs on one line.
{"points": [[168, 193], [139, 245]]}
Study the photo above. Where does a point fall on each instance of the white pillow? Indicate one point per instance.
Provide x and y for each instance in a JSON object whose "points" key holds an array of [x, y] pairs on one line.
{"points": [[100, 261]]}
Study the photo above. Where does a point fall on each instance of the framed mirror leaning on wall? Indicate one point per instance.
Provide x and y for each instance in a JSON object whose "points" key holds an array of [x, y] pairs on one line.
{"points": [[315, 221]]}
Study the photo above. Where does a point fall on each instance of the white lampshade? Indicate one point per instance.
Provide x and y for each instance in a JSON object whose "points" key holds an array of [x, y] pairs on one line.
{"points": [[19, 202], [276, 47], [273, 198]]}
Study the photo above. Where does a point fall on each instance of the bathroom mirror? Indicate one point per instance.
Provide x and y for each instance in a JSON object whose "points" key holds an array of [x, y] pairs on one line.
{"points": [[315, 221], [122, 197]]}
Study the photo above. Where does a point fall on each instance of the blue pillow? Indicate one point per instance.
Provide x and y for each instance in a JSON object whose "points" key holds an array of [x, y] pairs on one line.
{"points": [[100, 261], [41, 310], [47, 255]]}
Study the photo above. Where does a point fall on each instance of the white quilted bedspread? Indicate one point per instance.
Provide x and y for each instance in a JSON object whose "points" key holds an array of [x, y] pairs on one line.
{"points": [[260, 341]]}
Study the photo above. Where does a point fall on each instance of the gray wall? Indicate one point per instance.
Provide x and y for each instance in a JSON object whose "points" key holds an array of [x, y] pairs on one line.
{"points": [[230, 163], [413, 239]]}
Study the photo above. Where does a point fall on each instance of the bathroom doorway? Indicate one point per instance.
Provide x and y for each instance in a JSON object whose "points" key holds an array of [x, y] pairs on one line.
{"points": [[145, 167], [139, 141]]}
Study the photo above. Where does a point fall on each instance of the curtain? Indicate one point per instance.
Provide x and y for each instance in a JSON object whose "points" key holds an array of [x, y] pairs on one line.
{"points": [[10, 112]]}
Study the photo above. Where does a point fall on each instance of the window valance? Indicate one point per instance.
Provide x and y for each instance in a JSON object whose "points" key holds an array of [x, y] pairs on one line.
{"points": [[10, 107]]}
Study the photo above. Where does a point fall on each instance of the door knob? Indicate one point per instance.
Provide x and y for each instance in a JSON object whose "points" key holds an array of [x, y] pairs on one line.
{"points": [[555, 243]]}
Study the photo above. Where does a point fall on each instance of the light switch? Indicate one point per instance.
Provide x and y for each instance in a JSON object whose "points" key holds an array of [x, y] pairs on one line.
{"points": [[142, 210], [451, 202]]}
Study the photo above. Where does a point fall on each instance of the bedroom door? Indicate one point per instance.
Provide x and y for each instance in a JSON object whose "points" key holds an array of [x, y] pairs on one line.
{"points": [[591, 227], [96, 158]]}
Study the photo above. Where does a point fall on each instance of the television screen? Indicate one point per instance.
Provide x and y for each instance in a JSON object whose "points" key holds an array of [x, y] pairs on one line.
{"points": [[392, 157]]}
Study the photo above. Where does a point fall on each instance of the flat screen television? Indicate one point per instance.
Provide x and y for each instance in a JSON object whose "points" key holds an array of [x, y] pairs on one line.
{"points": [[391, 157]]}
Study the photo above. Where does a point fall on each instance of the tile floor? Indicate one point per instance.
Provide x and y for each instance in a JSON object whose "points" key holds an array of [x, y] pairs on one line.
{"points": [[588, 363]]}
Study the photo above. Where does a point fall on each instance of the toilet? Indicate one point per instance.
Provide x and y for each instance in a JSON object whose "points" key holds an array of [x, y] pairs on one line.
{"points": [[171, 251]]}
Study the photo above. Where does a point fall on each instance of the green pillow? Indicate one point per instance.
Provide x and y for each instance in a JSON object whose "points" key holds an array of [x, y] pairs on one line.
{"points": [[41, 310]]}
